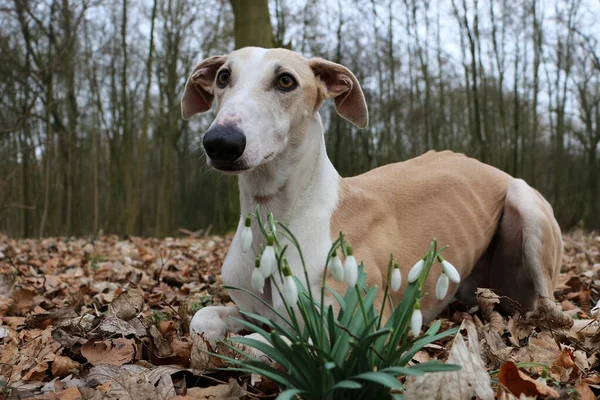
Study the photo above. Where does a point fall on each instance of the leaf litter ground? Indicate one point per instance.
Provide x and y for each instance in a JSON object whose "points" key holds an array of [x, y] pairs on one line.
{"points": [[108, 317]]}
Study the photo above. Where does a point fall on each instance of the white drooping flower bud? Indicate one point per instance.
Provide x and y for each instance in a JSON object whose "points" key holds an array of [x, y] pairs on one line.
{"points": [[451, 271], [596, 309], [416, 321], [415, 271], [441, 288], [396, 278], [271, 224], [289, 291], [268, 261], [258, 280], [350, 268], [336, 267], [246, 235]]}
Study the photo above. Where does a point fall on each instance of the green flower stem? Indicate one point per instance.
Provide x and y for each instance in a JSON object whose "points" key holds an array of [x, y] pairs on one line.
{"points": [[259, 220], [385, 293], [331, 252], [362, 306]]}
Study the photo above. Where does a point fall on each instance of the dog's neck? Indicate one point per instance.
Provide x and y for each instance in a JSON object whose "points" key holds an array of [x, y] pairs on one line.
{"points": [[298, 179]]}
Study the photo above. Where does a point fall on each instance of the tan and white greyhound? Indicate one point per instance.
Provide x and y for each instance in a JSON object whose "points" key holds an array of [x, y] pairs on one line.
{"points": [[501, 232]]}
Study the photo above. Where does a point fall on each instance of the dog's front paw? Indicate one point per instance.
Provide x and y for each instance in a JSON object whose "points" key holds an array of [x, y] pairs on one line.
{"points": [[208, 323]]}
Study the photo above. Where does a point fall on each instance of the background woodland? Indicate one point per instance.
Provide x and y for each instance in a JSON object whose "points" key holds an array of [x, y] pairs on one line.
{"points": [[92, 139]]}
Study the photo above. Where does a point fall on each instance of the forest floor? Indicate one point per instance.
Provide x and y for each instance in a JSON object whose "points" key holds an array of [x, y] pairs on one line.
{"points": [[109, 317]]}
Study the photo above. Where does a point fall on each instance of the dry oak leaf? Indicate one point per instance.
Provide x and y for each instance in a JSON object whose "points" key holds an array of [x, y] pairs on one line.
{"points": [[113, 325], [111, 351], [129, 303], [519, 383], [541, 349], [133, 382], [64, 366], [472, 379], [496, 350], [219, 392], [486, 299], [71, 393], [549, 314], [163, 349], [35, 355], [565, 363], [504, 394], [22, 301]]}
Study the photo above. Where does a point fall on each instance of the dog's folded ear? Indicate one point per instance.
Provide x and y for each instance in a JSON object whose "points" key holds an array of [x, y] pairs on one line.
{"points": [[340, 84], [199, 88]]}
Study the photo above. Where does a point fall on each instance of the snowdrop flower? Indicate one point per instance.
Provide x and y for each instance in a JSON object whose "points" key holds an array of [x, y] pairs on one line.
{"points": [[258, 280], [337, 269], [596, 309], [289, 291], [396, 278], [246, 235], [268, 261], [350, 268], [441, 288], [416, 320], [450, 270], [415, 271]]}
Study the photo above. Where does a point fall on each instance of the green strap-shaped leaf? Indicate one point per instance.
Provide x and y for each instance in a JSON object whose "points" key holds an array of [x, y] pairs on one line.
{"points": [[289, 394], [435, 366], [380, 378], [347, 384]]}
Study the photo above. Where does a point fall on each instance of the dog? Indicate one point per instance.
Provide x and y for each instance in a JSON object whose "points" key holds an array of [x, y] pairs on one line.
{"points": [[501, 232]]}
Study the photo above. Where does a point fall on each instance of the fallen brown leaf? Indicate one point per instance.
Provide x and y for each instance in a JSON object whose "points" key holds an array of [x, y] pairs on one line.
{"points": [[472, 379], [550, 315], [229, 391], [486, 299], [64, 366], [71, 393], [129, 303], [112, 351], [22, 301], [519, 383]]}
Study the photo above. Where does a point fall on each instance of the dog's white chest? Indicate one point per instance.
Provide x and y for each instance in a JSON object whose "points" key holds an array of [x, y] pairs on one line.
{"points": [[314, 238]]}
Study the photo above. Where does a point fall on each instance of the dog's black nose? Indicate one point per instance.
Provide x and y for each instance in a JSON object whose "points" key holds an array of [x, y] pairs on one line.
{"points": [[224, 143]]}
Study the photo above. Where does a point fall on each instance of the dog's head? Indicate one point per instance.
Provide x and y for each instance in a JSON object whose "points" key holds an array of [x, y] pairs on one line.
{"points": [[264, 101]]}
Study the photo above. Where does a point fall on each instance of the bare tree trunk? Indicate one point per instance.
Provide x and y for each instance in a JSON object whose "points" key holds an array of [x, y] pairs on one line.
{"points": [[516, 110], [252, 23], [126, 149], [563, 70], [537, 53], [134, 206]]}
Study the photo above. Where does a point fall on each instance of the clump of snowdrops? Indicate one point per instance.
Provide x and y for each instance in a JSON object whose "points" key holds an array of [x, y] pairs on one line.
{"points": [[325, 354]]}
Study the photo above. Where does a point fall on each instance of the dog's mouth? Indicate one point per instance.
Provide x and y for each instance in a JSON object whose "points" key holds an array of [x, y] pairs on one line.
{"points": [[236, 167], [232, 167]]}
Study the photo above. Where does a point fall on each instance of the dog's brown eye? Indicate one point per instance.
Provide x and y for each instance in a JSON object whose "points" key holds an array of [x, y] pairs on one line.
{"points": [[286, 82], [223, 79]]}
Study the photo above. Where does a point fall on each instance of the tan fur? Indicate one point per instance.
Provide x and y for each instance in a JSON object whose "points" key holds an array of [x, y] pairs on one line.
{"points": [[400, 208]]}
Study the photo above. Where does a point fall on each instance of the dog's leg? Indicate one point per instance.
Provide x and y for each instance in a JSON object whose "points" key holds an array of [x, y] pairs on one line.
{"points": [[527, 257], [214, 323]]}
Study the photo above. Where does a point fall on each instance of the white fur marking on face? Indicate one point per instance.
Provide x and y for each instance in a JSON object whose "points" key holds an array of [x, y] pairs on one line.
{"points": [[228, 119], [261, 112]]}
